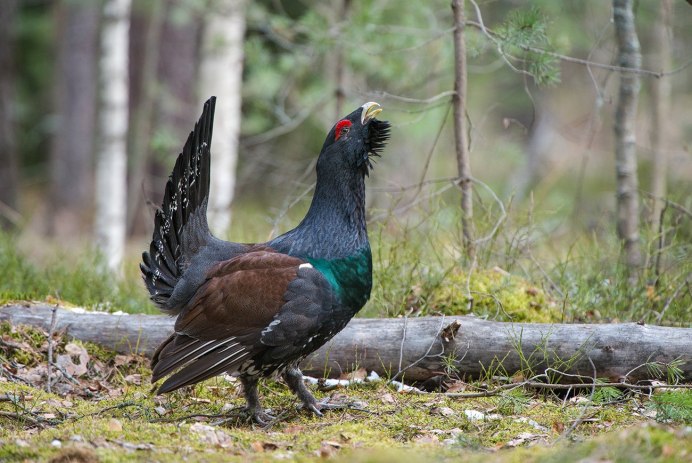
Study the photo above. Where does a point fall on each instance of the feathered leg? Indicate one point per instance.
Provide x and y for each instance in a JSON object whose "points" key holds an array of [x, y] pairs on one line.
{"points": [[294, 379], [253, 404]]}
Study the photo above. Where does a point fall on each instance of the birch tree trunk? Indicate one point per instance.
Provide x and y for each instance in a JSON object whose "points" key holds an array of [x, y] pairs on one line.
{"points": [[629, 56], [660, 98], [222, 74], [71, 157], [460, 137], [9, 170], [111, 172]]}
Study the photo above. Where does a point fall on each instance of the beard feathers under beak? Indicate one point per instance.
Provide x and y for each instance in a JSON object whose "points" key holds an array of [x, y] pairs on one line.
{"points": [[377, 139]]}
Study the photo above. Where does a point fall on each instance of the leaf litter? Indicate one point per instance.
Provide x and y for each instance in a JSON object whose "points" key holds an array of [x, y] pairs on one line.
{"points": [[102, 404]]}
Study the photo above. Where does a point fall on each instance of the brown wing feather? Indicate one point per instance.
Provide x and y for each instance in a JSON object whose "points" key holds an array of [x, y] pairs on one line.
{"points": [[222, 323]]}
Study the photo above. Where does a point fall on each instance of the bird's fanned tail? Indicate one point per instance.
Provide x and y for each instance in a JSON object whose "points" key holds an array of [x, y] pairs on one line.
{"points": [[180, 225]]}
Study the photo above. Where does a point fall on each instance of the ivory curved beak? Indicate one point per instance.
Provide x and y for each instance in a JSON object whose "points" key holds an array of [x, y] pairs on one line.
{"points": [[370, 110]]}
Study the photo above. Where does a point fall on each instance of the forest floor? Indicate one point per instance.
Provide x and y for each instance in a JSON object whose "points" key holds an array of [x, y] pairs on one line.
{"points": [[102, 408]]}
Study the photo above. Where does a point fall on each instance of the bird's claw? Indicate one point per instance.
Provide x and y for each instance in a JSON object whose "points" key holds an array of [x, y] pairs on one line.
{"points": [[316, 408], [326, 405], [313, 408], [260, 417]]}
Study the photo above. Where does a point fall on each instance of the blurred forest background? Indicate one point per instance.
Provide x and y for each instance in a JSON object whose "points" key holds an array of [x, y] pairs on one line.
{"points": [[81, 78]]}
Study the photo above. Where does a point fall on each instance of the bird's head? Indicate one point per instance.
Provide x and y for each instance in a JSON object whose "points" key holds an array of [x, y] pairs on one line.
{"points": [[354, 140]]}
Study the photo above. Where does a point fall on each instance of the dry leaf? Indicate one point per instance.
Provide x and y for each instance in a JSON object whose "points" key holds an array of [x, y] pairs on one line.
{"points": [[67, 361], [558, 427], [520, 439], [114, 425], [358, 374], [444, 411], [329, 448], [531, 422], [650, 292], [227, 408], [326, 451], [531, 291], [264, 446], [332, 443], [134, 379], [294, 429], [121, 360], [211, 435], [456, 386], [426, 439]]}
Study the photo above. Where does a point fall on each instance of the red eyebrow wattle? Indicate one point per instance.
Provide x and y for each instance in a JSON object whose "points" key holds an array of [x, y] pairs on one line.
{"points": [[340, 126]]}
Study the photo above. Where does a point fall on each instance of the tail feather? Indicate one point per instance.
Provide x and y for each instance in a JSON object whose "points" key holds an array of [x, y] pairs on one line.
{"points": [[180, 225]]}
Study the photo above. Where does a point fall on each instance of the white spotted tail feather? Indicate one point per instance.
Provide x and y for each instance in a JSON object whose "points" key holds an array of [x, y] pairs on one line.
{"points": [[180, 225]]}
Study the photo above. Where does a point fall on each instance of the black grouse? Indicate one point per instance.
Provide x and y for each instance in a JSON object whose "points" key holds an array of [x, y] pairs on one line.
{"points": [[255, 310]]}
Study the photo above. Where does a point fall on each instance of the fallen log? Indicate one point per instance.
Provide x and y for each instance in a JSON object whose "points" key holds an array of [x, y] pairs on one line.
{"points": [[421, 348]]}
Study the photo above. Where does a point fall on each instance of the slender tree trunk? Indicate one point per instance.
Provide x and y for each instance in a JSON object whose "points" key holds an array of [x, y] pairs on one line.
{"points": [[71, 163], [9, 170], [626, 134], [175, 103], [111, 172], [660, 98], [222, 75], [178, 72], [460, 136], [145, 36], [339, 68]]}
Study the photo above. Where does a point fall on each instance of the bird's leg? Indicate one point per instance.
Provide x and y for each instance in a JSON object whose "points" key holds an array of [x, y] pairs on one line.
{"points": [[294, 379], [253, 404]]}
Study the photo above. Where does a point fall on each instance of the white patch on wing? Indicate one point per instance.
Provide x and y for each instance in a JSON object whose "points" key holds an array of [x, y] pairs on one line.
{"points": [[272, 324]]}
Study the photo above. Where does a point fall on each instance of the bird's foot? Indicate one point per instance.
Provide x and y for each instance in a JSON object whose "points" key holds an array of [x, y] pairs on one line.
{"points": [[327, 404], [316, 408], [312, 407], [259, 416]]}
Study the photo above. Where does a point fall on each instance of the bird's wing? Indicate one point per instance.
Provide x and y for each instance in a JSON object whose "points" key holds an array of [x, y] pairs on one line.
{"points": [[310, 306], [248, 303]]}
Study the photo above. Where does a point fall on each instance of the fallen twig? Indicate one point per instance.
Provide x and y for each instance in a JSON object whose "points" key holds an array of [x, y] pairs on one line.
{"points": [[53, 321], [563, 387], [29, 418]]}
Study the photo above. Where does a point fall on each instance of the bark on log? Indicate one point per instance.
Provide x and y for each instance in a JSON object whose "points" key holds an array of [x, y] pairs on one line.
{"points": [[419, 347]]}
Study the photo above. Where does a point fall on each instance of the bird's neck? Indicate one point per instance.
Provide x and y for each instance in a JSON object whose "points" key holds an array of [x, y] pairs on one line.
{"points": [[334, 239], [338, 203], [334, 226]]}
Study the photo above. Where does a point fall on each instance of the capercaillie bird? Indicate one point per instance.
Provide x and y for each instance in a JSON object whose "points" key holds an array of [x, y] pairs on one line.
{"points": [[255, 310]]}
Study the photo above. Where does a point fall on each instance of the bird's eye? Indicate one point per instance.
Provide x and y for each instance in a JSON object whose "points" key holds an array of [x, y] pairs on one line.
{"points": [[342, 128]]}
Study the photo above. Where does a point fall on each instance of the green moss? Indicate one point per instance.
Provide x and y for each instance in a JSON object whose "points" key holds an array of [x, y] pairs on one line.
{"points": [[137, 426], [496, 294]]}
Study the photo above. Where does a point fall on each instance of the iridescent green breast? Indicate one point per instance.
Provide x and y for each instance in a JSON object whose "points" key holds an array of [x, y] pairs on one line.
{"points": [[351, 277]]}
